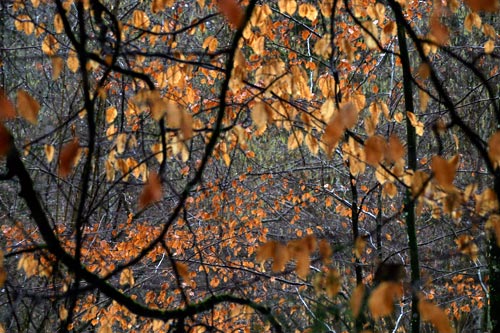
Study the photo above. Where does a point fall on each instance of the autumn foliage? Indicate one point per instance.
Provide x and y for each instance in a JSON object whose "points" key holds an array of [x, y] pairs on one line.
{"points": [[224, 165]]}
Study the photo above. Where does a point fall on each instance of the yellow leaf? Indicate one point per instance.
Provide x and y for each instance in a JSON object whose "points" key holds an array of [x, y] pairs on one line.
{"points": [[140, 19], [27, 107], [23, 23], [105, 329], [63, 313], [424, 99], [295, 140], [58, 24], [111, 114], [381, 300], [50, 45], [259, 115], [308, 11], [49, 152], [72, 61], [68, 157], [312, 143], [152, 191], [390, 190], [121, 142], [489, 46], [435, 315], [472, 20], [287, 6]]}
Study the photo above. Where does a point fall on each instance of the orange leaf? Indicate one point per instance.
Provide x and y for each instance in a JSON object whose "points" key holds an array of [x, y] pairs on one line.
{"points": [[325, 251], [435, 315], [183, 270], [7, 110], [49, 152], [357, 299], [232, 12], [381, 301], [57, 67], [374, 150], [151, 192], [50, 45], [27, 106], [111, 114], [444, 171], [68, 157], [483, 5]]}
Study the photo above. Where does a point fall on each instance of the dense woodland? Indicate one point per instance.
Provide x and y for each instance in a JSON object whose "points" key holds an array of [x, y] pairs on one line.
{"points": [[249, 166]]}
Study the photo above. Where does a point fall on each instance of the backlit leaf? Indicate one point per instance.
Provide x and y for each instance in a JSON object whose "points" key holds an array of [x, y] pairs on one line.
{"points": [[27, 107], [58, 23], [50, 45], [111, 114], [489, 46], [140, 19], [57, 67], [151, 192], [308, 11], [287, 6], [49, 152], [23, 23]]}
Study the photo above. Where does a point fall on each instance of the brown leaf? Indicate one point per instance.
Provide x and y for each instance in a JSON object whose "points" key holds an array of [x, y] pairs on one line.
{"points": [[444, 170], [27, 107], [483, 5], [357, 299], [232, 12], [5, 140], [67, 157], [381, 300], [7, 110], [152, 191], [435, 315], [374, 150]]}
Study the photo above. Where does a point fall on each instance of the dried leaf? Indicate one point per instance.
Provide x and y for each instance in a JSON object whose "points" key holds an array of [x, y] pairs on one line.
{"points": [[435, 315], [287, 6], [232, 12], [357, 299], [68, 157], [49, 152], [381, 300], [50, 45], [27, 107], [7, 110], [483, 5], [152, 191], [374, 150], [183, 270], [111, 114], [57, 67], [444, 170], [5, 140]]}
